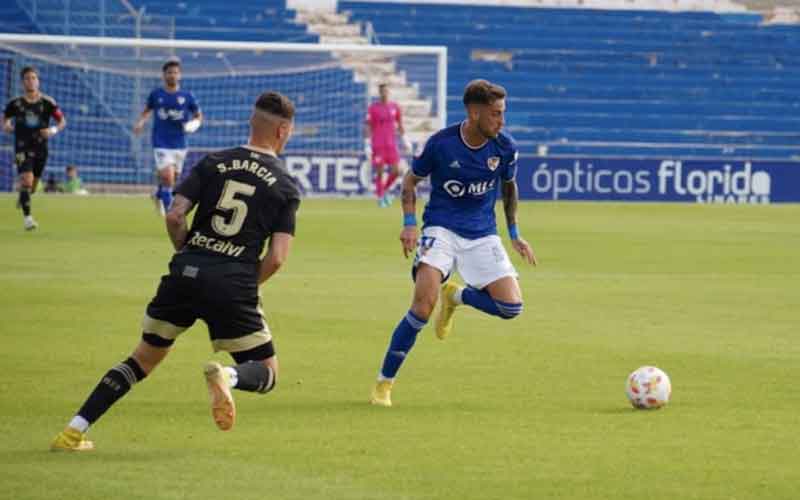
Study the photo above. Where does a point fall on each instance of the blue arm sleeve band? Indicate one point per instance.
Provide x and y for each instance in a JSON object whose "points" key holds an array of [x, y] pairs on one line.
{"points": [[409, 219], [513, 232]]}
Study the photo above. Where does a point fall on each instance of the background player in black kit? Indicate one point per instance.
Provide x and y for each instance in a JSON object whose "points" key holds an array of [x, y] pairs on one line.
{"points": [[244, 196], [31, 114]]}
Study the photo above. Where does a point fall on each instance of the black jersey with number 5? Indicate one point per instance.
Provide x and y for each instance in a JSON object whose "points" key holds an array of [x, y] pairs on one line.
{"points": [[242, 197]]}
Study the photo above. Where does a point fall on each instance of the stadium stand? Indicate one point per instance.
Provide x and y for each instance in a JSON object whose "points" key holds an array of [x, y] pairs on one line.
{"points": [[125, 159], [241, 20], [582, 82], [616, 82]]}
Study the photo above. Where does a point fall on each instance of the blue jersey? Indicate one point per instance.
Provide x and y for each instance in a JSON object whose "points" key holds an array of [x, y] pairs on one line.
{"points": [[464, 180], [171, 111]]}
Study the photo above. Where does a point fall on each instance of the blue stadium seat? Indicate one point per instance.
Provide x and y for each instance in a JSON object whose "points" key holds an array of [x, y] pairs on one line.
{"points": [[106, 124], [618, 83], [582, 82]]}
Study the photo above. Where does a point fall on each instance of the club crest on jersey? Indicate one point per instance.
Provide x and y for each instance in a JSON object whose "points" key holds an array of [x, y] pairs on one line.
{"points": [[493, 162], [181, 100], [31, 119]]}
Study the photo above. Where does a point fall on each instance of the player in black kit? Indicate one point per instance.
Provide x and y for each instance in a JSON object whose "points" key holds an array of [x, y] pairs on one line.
{"points": [[244, 196], [31, 114]]}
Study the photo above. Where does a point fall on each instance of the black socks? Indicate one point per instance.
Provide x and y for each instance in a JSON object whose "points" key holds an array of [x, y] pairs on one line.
{"points": [[114, 384]]}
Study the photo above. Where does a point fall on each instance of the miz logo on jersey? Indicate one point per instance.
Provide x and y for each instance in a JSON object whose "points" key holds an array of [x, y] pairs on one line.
{"points": [[457, 188], [170, 114]]}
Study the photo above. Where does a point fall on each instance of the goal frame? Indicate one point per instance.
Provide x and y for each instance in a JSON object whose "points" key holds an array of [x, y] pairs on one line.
{"points": [[439, 51]]}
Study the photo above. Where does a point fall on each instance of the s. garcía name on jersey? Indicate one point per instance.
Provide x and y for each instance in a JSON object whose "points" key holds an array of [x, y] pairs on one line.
{"points": [[251, 166], [723, 185], [209, 243]]}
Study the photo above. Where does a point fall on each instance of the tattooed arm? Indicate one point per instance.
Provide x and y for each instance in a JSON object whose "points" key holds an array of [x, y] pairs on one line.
{"points": [[177, 228], [409, 234], [510, 202]]}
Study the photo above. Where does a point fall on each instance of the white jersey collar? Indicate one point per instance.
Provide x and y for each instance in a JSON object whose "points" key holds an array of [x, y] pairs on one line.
{"points": [[260, 150], [464, 140]]}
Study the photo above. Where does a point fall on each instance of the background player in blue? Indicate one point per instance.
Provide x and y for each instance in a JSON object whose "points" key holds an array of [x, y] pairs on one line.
{"points": [[465, 163], [176, 113]]}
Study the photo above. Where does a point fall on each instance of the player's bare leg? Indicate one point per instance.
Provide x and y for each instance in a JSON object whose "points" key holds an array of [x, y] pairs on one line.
{"points": [[26, 188], [149, 356], [426, 292], [505, 289], [112, 387]]}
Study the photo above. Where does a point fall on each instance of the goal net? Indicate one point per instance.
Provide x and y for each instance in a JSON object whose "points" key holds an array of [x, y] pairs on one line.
{"points": [[102, 85]]}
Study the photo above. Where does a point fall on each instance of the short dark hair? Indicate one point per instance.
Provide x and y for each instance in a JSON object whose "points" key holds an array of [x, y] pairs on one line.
{"points": [[483, 92], [172, 63], [276, 104], [26, 70], [383, 85]]}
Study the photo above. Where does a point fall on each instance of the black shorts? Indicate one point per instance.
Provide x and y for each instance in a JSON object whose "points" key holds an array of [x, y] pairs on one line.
{"points": [[222, 293], [31, 160]]}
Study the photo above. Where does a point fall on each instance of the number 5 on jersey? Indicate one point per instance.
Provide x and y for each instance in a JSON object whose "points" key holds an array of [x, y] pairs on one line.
{"points": [[227, 202]]}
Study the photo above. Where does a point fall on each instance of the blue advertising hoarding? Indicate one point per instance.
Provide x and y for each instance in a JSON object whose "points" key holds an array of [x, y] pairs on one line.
{"points": [[694, 181], [598, 179], [589, 179]]}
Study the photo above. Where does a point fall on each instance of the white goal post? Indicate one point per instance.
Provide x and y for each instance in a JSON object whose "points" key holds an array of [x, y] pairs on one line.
{"points": [[102, 85]]}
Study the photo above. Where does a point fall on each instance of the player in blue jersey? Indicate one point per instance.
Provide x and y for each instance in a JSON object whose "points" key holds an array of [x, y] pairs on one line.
{"points": [[176, 113], [465, 163]]}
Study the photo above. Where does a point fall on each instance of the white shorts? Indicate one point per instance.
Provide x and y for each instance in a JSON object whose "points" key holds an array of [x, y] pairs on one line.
{"points": [[167, 157], [479, 262]]}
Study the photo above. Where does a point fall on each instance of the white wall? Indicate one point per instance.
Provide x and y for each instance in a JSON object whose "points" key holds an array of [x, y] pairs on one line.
{"points": [[671, 5], [321, 5]]}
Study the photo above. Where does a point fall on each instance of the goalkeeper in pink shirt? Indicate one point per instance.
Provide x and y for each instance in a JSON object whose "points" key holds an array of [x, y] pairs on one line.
{"points": [[384, 120]]}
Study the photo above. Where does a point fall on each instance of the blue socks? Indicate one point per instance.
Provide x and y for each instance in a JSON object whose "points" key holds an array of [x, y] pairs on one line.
{"points": [[402, 341], [481, 300], [405, 334], [165, 195]]}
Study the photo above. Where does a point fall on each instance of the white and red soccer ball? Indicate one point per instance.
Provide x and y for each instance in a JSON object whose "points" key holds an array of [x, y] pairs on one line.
{"points": [[648, 388]]}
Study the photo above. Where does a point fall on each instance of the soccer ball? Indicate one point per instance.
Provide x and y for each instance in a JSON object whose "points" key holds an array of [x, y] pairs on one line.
{"points": [[648, 387]]}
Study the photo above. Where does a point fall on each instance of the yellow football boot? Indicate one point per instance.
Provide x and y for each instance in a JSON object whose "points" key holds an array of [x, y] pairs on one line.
{"points": [[71, 439], [382, 393], [447, 306], [223, 409]]}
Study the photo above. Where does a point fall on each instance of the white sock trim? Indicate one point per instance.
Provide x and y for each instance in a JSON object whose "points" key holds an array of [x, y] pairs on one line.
{"points": [[233, 377], [79, 423]]}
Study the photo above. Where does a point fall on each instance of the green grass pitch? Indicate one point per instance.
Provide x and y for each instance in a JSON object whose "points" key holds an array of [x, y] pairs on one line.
{"points": [[526, 409]]}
